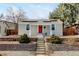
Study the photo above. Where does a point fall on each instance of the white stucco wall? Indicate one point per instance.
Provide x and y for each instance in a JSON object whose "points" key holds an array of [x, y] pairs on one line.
{"points": [[58, 29], [22, 29], [34, 30]]}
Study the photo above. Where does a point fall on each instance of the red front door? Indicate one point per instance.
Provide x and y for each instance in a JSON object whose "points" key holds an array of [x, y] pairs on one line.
{"points": [[40, 29]]}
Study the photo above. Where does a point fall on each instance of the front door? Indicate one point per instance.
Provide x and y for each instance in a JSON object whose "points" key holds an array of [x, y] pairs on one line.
{"points": [[39, 28]]}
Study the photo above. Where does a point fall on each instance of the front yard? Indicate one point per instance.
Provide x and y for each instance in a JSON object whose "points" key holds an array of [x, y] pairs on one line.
{"points": [[67, 46]]}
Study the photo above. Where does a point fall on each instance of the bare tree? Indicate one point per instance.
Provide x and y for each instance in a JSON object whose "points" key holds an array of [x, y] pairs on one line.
{"points": [[21, 15], [15, 15]]}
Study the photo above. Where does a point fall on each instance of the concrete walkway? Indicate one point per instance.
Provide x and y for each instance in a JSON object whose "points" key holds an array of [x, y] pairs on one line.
{"points": [[9, 42], [17, 53], [65, 53]]}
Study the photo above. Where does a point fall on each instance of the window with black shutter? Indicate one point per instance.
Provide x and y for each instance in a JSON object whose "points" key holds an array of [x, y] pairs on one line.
{"points": [[53, 27], [27, 27]]}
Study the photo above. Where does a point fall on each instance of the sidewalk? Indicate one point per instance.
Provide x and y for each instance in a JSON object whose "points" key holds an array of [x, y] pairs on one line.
{"points": [[9, 42]]}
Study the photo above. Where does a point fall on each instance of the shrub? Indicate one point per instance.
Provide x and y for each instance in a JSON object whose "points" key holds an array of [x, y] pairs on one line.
{"points": [[24, 39], [55, 40]]}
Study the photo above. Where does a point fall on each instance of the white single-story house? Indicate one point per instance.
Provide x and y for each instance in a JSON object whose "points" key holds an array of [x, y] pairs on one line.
{"points": [[46, 27]]}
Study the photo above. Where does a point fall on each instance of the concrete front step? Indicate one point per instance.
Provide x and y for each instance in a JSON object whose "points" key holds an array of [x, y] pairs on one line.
{"points": [[40, 39], [41, 55], [40, 42], [40, 52], [41, 47]]}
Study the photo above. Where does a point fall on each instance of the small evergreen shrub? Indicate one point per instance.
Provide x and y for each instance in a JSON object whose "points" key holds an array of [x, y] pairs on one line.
{"points": [[24, 39], [55, 40]]}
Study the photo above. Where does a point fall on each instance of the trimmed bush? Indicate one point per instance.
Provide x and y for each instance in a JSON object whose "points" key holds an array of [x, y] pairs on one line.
{"points": [[24, 39], [55, 40]]}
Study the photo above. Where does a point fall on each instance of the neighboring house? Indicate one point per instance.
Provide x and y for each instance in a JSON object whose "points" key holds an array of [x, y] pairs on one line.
{"points": [[77, 26], [2, 28], [6, 26], [45, 27], [71, 30]]}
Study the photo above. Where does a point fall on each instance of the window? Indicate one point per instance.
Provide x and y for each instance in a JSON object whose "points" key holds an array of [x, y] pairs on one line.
{"points": [[53, 27], [27, 27]]}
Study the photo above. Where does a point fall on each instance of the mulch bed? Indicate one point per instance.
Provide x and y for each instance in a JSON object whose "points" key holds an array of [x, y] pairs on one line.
{"points": [[14, 38]]}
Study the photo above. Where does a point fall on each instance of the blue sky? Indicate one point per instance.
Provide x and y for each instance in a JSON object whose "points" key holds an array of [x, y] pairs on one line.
{"points": [[33, 10]]}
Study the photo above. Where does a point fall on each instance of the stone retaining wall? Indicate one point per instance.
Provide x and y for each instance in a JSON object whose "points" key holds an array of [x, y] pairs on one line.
{"points": [[65, 47], [18, 47]]}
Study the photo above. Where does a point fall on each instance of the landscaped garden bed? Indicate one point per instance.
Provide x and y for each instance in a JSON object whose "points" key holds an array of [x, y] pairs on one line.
{"points": [[71, 41], [14, 38], [63, 44], [23, 43]]}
